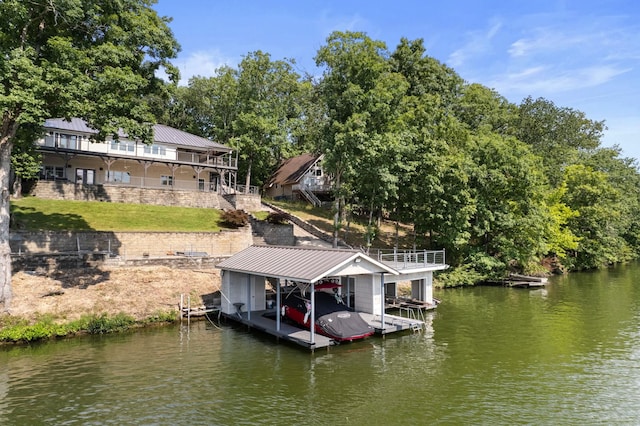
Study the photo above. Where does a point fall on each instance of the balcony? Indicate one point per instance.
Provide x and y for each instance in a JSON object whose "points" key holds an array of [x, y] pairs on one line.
{"points": [[402, 260]]}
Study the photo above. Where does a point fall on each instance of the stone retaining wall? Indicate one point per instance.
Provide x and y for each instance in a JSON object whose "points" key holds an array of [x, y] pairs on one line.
{"points": [[131, 244], [61, 190], [274, 234]]}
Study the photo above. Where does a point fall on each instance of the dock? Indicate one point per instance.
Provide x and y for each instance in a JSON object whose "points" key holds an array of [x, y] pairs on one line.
{"points": [[265, 321], [520, 281], [187, 310]]}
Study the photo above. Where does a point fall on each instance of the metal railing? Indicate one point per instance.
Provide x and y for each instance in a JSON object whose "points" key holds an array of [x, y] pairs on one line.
{"points": [[208, 160], [409, 259], [311, 197]]}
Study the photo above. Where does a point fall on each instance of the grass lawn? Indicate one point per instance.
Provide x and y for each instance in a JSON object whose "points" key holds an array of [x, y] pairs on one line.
{"points": [[31, 213]]}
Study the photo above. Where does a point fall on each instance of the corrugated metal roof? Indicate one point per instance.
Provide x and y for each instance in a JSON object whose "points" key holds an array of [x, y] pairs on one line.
{"points": [[168, 134], [304, 264], [161, 134], [76, 125]]}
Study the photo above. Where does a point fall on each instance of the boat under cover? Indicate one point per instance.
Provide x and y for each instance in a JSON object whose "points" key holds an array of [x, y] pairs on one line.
{"points": [[332, 317]]}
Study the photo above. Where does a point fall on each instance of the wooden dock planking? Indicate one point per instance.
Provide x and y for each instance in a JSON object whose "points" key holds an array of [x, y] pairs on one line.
{"points": [[392, 323], [287, 332], [257, 320]]}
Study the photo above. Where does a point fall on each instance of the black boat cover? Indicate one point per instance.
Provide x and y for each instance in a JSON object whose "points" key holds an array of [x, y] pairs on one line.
{"points": [[333, 316]]}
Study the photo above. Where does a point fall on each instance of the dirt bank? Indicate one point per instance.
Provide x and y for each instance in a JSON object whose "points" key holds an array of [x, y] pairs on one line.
{"points": [[139, 292]]}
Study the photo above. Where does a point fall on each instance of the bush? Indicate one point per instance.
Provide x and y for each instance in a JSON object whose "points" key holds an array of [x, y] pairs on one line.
{"points": [[19, 330], [277, 218], [235, 218], [457, 277], [106, 324]]}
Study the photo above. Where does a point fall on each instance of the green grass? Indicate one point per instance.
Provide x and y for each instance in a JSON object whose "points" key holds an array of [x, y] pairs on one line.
{"points": [[13, 330], [34, 214]]}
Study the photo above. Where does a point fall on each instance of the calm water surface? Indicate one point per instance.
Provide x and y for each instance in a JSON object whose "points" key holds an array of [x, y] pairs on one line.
{"points": [[568, 354]]}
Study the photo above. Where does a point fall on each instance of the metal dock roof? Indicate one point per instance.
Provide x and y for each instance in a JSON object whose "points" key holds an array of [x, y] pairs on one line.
{"points": [[304, 264]]}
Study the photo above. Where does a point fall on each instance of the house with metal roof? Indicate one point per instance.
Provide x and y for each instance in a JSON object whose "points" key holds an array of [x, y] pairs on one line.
{"points": [[254, 282], [175, 160], [300, 178]]}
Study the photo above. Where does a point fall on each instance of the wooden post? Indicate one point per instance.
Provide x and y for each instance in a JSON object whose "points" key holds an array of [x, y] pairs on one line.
{"points": [[189, 310]]}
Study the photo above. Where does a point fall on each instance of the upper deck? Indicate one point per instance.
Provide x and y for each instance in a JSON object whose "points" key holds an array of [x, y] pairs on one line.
{"points": [[406, 260]]}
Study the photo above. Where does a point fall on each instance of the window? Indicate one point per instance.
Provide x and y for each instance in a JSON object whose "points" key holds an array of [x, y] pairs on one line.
{"points": [[118, 176], [67, 141], [123, 146], [166, 180], [317, 172], [155, 149], [52, 172]]}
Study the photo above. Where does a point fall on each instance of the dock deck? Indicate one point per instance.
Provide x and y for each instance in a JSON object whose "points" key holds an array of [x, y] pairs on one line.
{"points": [[267, 324]]}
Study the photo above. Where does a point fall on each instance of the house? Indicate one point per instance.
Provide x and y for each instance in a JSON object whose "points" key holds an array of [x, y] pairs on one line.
{"points": [[300, 178], [367, 282], [175, 159]]}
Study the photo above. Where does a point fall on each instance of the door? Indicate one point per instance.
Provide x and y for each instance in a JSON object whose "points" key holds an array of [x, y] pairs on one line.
{"points": [[85, 176]]}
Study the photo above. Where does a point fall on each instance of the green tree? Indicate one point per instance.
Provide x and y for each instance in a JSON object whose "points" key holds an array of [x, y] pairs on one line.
{"points": [[90, 59], [267, 94], [434, 169], [209, 105], [363, 101], [600, 222], [484, 110], [556, 134], [509, 189]]}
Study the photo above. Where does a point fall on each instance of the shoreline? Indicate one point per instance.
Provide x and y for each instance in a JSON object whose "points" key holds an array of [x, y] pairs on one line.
{"points": [[140, 293]]}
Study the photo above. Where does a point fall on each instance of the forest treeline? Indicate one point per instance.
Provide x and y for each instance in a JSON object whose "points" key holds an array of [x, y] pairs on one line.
{"points": [[500, 186]]}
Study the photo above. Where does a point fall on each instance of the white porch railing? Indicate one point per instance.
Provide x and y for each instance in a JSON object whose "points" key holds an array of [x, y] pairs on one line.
{"points": [[409, 259], [183, 184]]}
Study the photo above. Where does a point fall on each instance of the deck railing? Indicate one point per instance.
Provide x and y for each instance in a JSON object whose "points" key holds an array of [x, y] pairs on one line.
{"points": [[409, 259]]}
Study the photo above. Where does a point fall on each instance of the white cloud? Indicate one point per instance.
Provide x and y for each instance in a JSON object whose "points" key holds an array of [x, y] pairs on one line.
{"points": [[542, 80], [201, 63], [478, 42]]}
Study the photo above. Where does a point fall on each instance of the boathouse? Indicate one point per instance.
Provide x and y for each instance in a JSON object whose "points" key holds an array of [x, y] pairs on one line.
{"points": [[255, 280]]}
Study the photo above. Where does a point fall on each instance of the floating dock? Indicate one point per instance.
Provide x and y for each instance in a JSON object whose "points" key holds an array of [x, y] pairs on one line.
{"points": [[265, 321], [520, 281]]}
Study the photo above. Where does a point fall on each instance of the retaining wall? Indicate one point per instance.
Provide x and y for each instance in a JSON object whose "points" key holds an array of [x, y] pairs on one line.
{"points": [[131, 244], [274, 234], [60, 190]]}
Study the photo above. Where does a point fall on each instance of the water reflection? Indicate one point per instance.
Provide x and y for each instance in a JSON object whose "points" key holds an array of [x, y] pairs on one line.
{"points": [[566, 354]]}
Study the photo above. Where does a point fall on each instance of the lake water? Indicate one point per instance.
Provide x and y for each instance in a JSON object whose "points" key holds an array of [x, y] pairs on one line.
{"points": [[567, 354]]}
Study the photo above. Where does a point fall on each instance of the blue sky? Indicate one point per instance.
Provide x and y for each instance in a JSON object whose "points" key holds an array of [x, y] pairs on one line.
{"points": [[581, 54]]}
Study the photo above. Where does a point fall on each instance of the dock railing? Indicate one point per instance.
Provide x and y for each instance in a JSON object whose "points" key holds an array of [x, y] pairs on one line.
{"points": [[409, 259]]}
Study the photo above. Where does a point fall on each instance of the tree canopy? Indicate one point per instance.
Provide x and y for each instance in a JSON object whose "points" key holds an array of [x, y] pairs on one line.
{"points": [[501, 186], [94, 59]]}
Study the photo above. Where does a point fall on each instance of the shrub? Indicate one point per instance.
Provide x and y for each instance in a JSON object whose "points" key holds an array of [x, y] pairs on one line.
{"points": [[277, 218], [106, 324], [235, 218]]}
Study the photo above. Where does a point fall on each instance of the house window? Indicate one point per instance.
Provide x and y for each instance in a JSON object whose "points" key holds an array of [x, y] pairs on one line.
{"points": [[123, 146], [166, 180], [52, 172], [155, 149], [317, 172], [118, 176], [67, 141]]}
